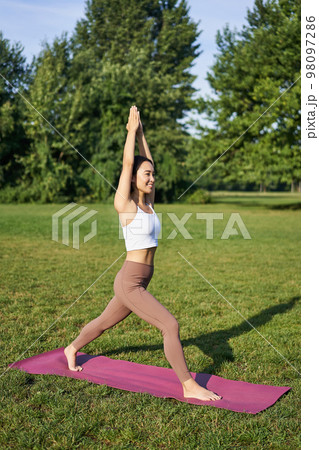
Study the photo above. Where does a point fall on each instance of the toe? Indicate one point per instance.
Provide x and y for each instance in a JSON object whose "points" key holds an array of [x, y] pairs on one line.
{"points": [[215, 396]]}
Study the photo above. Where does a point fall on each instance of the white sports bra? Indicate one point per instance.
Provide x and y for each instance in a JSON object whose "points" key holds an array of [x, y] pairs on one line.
{"points": [[143, 231]]}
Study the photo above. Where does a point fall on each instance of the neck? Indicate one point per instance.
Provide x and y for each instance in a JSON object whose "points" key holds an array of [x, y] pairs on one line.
{"points": [[139, 197]]}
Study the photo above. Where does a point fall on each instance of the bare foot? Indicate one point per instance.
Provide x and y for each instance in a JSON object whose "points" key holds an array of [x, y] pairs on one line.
{"points": [[70, 354], [194, 390]]}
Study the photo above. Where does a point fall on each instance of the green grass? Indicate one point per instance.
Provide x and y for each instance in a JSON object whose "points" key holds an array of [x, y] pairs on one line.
{"points": [[260, 277]]}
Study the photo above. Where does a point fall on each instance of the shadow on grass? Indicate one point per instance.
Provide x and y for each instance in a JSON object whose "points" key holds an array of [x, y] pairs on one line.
{"points": [[293, 206], [215, 344]]}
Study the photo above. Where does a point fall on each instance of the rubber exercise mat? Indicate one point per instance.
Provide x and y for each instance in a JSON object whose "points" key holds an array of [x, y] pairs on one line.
{"points": [[238, 396]]}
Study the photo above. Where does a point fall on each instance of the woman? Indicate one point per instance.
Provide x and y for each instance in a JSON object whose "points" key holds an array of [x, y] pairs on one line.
{"points": [[134, 202]]}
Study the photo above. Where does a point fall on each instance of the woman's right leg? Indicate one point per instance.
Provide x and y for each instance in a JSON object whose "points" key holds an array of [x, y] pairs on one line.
{"points": [[114, 313]]}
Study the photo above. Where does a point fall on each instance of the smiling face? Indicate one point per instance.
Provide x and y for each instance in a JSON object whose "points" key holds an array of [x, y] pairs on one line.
{"points": [[145, 177]]}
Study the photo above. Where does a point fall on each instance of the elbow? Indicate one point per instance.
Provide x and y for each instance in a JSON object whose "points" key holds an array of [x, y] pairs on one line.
{"points": [[127, 162]]}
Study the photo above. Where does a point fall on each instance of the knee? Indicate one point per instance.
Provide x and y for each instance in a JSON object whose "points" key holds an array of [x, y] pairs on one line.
{"points": [[171, 326]]}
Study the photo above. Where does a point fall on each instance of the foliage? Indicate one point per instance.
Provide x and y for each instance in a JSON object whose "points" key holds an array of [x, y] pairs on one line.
{"points": [[67, 142], [13, 139], [253, 69], [200, 196], [121, 53], [128, 53]]}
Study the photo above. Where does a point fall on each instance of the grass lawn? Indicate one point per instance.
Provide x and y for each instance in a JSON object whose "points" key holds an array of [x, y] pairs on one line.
{"points": [[260, 277]]}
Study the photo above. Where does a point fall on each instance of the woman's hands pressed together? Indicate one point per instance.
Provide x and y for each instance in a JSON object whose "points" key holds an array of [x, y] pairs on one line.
{"points": [[133, 120], [139, 132]]}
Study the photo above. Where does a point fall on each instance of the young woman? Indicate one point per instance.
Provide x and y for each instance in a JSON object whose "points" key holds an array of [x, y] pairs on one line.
{"points": [[134, 202]]}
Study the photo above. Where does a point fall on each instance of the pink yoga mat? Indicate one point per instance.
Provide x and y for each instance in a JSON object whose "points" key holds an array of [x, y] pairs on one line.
{"points": [[238, 396]]}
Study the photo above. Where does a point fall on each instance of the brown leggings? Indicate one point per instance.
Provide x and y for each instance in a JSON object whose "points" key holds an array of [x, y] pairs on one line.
{"points": [[131, 296]]}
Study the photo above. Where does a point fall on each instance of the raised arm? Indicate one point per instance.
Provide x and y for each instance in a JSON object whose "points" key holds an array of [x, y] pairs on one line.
{"points": [[142, 144], [122, 195], [145, 151]]}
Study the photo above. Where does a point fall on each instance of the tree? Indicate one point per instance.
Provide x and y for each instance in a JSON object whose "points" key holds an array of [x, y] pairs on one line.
{"points": [[121, 53], [253, 69], [13, 140], [139, 53], [48, 173]]}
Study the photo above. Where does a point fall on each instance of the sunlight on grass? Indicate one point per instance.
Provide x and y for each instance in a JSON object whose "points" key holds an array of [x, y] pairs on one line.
{"points": [[260, 277]]}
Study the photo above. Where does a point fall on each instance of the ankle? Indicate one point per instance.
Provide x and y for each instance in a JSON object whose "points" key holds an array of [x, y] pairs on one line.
{"points": [[188, 384], [71, 347]]}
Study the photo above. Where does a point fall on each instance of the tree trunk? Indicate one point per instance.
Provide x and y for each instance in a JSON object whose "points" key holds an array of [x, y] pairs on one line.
{"points": [[262, 187]]}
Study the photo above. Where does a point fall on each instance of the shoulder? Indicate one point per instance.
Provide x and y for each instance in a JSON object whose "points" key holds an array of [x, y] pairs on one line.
{"points": [[127, 212], [128, 207]]}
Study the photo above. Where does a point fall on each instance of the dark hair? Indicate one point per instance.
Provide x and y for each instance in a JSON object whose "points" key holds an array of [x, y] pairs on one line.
{"points": [[138, 160]]}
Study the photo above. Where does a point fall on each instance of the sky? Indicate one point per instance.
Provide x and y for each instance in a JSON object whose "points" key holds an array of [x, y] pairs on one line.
{"points": [[32, 21]]}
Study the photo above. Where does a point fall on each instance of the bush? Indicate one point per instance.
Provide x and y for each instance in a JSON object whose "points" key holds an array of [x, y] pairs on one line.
{"points": [[200, 196]]}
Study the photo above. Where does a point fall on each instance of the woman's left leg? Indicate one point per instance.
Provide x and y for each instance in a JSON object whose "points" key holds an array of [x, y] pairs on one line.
{"points": [[142, 303], [148, 308], [137, 299]]}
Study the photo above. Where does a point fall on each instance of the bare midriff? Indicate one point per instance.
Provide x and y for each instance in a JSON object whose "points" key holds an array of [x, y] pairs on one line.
{"points": [[144, 256]]}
